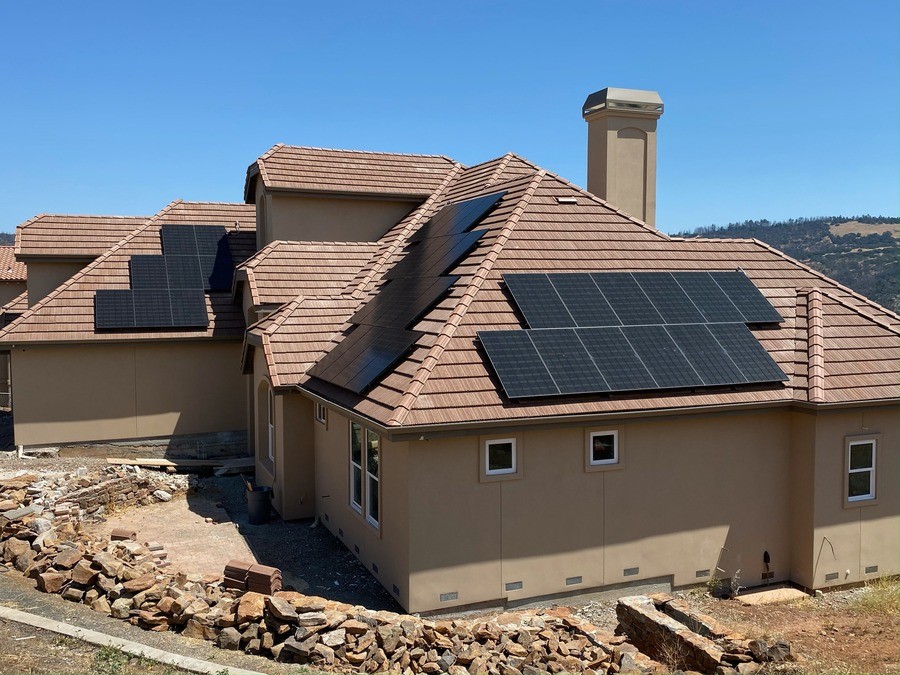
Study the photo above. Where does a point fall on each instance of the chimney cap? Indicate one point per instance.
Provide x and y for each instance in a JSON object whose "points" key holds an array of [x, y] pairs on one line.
{"points": [[636, 101]]}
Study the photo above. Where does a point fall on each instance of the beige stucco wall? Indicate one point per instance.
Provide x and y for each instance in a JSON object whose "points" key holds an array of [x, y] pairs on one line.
{"points": [[10, 290], [94, 392], [46, 276]]}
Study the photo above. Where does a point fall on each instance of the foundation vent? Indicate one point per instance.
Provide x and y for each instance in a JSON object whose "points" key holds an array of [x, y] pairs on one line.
{"points": [[514, 586], [768, 575], [871, 569], [631, 571], [832, 576], [573, 581], [700, 574], [447, 597]]}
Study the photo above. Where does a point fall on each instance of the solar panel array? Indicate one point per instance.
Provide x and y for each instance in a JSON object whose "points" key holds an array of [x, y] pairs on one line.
{"points": [[168, 290], [381, 332], [607, 332]]}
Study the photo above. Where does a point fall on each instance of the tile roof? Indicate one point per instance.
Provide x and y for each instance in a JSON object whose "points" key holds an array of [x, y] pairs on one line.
{"points": [[445, 380], [287, 167], [74, 236], [67, 314], [285, 269], [13, 309], [10, 268]]}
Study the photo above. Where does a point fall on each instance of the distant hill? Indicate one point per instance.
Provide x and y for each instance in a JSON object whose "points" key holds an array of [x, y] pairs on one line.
{"points": [[862, 252], [7, 238]]}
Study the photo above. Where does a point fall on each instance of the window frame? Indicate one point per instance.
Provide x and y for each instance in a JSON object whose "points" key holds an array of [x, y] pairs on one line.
{"points": [[321, 413], [590, 449], [487, 457], [270, 422], [353, 465], [367, 497], [872, 496]]}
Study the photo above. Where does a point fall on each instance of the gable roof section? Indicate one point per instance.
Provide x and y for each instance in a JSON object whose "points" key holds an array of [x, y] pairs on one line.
{"points": [[323, 170], [13, 309], [285, 269], [67, 314], [10, 268], [72, 236]]}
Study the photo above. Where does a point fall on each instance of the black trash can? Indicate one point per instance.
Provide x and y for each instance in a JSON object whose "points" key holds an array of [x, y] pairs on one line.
{"points": [[259, 504]]}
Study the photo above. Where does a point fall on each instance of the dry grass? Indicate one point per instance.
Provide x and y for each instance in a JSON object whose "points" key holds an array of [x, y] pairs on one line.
{"points": [[882, 596]]}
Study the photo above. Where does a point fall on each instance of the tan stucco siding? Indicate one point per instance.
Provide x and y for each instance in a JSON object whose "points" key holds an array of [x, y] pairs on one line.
{"points": [[91, 392], [10, 290], [802, 459], [47, 276]]}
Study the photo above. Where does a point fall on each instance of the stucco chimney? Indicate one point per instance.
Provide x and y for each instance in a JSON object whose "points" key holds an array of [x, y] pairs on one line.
{"points": [[622, 148]]}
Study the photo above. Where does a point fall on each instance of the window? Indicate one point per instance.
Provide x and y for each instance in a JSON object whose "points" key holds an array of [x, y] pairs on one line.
{"points": [[321, 414], [271, 419], [500, 457], [356, 444], [372, 447], [861, 470], [603, 447]]}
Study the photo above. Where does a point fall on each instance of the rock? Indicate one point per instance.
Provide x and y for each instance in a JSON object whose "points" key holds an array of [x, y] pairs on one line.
{"points": [[51, 582], [73, 594], [250, 608], [302, 603], [83, 574], [281, 609], [324, 652], [44, 541], [24, 560], [748, 668], [312, 619], [121, 608], [101, 605], [18, 514], [774, 653], [40, 525], [141, 583], [355, 627], [447, 659], [162, 495], [304, 648], [229, 638], [737, 658], [67, 558], [110, 565], [335, 638]]}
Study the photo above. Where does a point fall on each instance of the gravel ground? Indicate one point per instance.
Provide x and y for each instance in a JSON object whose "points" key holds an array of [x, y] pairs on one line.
{"points": [[9, 462]]}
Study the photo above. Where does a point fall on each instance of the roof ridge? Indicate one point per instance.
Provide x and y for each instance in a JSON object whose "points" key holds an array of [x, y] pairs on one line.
{"points": [[39, 216], [821, 275], [874, 319], [745, 240], [406, 231], [241, 204], [501, 167], [367, 152], [815, 347], [423, 372]]}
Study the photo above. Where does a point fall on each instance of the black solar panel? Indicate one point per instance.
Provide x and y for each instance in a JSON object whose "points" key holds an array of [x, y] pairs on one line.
{"points": [[662, 357], [568, 362], [708, 297], [706, 355], [583, 299], [670, 300], [517, 363], [621, 367], [148, 271], [178, 240], [744, 349], [538, 301], [363, 355], [628, 301], [188, 308], [746, 297], [399, 303], [113, 309], [152, 308], [434, 256], [183, 271], [458, 217]]}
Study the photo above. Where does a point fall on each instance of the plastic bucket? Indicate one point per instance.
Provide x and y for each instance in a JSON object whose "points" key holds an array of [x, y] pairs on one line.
{"points": [[259, 504]]}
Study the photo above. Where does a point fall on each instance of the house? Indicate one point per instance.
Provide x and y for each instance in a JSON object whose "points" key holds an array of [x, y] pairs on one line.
{"points": [[12, 288], [496, 387]]}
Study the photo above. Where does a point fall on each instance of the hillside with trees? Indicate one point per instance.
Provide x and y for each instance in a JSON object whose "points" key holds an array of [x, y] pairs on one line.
{"points": [[7, 238], [861, 252]]}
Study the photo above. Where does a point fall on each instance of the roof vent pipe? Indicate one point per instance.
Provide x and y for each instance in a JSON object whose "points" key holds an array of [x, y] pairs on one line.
{"points": [[622, 149]]}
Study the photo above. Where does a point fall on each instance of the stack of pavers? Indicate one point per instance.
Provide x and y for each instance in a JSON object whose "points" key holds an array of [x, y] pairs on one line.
{"points": [[158, 552], [263, 579], [236, 574]]}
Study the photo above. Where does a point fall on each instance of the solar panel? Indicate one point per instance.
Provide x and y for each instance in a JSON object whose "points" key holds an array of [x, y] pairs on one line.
{"points": [[178, 240], [216, 272], [621, 367], [517, 363], [152, 308], [583, 299], [662, 357], [188, 308], [746, 297], [538, 300], [706, 355], [148, 271], [363, 356], [708, 297], [401, 301], [434, 256], [113, 309], [457, 217], [745, 350], [183, 271], [628, 301], [672, 303], [568, 362]]}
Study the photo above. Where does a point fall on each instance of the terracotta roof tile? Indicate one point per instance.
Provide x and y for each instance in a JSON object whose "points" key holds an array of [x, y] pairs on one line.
{"points": [[325, 170], [13, 309], [67, 314], [10, 268], [73, 235]]}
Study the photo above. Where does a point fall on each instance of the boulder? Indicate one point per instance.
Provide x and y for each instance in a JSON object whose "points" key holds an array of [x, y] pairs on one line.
{"points": [[110, 565], [51, 582], [83, 574], [774, 653], [101, 605], [141, 583], [335, 638], [229, 638], [73, 594], [312, 619], [67, 558], [281, 609], [250, 608], [121, 608], [162, 495]]}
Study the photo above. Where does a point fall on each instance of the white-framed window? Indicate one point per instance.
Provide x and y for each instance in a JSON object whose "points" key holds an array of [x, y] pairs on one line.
{"points": [[271, 423], [373, 445], [499, 456], [321, 414], [861, 469], [603, 447], [356, 460]]}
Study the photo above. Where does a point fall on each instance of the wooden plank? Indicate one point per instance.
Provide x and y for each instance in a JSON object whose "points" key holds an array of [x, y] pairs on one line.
{"points": [[161, 463]]}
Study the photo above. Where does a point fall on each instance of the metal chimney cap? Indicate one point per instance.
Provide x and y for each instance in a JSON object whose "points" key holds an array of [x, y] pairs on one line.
{"points": [[636, 101]]}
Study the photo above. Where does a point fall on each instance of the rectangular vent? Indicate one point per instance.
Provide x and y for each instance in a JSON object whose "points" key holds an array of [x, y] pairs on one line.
{"points": [[514, 586], [395, 589], [832, 576], [566, 200], [375, 568], [356, 548], [341, 531], [447, 597], [631, 571], [700, 574], [573, 581], [768, 575], [871, 569]]}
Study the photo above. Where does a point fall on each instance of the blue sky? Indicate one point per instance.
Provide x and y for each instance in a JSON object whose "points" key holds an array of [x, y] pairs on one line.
{"points": [[773, 109]]}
